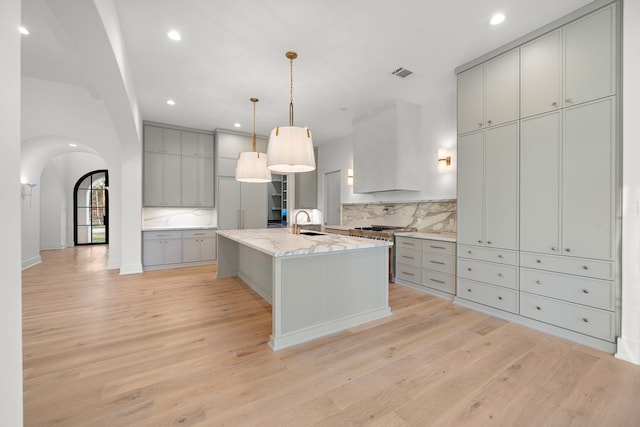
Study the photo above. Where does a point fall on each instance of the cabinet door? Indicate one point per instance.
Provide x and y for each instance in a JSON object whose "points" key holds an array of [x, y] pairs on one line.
{"points": [[172, 251], [191, 250], [588, 180], [153, 139], [501, 186], [540, 142], [153, 179], [153, 252], [254, 205], [197, 144], [197, 181], [172, 180], [471, 189], [502, 89], [541, 71], [471, 100], [589, 52], [228, 203], [208, 248], [306, 190]]}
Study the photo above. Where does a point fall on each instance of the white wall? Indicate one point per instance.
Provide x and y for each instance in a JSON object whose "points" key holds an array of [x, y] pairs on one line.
{"points": [[10, 284], [53, 209], [438, 121], [629, 343]]}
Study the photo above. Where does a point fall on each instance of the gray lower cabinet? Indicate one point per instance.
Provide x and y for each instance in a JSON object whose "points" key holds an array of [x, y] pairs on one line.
{"points": [[427, 265], [176, 248], [489, 277]]}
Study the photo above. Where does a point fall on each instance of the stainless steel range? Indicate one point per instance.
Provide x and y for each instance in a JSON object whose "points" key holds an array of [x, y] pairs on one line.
{"points": [[383, 232]]}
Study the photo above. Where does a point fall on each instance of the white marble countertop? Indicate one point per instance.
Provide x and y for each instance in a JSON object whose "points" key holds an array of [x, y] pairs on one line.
{"points": [[280, 242], [177, 228], [339, 227], [445, 237]]}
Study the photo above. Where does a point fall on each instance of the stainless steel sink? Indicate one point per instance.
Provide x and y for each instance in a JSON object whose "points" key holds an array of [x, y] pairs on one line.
{"points": [[312, 233]]}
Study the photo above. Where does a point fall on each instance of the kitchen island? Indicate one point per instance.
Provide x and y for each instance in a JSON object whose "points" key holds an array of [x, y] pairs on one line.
{"points": [[317, 284]]}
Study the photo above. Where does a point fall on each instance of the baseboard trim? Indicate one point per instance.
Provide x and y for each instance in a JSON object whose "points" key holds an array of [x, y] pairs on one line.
{"points": [[31, 262]]}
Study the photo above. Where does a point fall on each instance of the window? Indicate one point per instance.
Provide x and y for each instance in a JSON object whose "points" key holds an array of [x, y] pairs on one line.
{"points": [[91, 209]]}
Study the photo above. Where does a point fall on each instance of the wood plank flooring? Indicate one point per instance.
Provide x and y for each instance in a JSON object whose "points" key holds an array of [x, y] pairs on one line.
{"points": [[177, 347]]}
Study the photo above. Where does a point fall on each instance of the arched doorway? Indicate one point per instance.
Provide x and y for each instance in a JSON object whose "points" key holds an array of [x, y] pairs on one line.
{"points": [[91, 209]]}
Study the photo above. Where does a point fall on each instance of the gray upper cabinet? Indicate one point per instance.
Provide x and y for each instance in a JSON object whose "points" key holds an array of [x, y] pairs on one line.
{"points": [[162, 140], [589, 52], [488, 94], [571, 65], [471, 100], [197, 144], [178, 168], [541, 74]]}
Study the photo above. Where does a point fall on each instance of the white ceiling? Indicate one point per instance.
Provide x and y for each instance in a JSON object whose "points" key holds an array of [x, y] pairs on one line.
{"points": [[232, 50]]}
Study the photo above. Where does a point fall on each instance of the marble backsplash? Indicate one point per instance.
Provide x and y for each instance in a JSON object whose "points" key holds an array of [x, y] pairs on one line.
{"points": [[428, 217], [158, 218]]}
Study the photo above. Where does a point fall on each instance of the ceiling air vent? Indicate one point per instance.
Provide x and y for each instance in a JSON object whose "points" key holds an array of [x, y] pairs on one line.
{"points": [[403, 73]]}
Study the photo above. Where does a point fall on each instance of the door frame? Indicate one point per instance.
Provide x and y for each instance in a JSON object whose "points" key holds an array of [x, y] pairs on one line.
{"points": [[106, 208]]}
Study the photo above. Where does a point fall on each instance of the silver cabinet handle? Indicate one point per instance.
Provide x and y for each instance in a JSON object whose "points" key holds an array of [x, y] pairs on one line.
{"points": [[585, 320], [437, 281], [489, 122], [585, 267], [479, 125], [569, 100], [554, 104], [408, 274], [437, 247], [567, 249], [585, 291], [408, 257], [437, 262], [553, 248], [538, 282]]}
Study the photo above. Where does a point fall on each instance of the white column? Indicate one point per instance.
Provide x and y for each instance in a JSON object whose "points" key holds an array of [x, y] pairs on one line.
{"points": [[10, 283], [629, 342]]}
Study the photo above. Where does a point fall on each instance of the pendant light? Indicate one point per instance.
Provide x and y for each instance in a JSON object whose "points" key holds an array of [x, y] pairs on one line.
{"points": [[252, 165], [290, 148]]}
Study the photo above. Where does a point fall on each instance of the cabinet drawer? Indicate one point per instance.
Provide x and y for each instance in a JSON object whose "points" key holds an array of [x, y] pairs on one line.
{"points": [[493, 296], [438, 262], [585, 320], [408, 242], [563, 264], [409, 257], [502, 256], [440, 281], [409, 273], [438, 246], [580, 290], [198, 233], [489, 272], [161, 235]]}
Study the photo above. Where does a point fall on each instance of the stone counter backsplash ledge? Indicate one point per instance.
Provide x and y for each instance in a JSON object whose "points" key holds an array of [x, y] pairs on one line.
{"points": [[427, 217]]}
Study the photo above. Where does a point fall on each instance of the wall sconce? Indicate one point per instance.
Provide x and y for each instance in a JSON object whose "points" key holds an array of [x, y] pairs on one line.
{"points": [[444, 160], [349, 176], [27, 190]]}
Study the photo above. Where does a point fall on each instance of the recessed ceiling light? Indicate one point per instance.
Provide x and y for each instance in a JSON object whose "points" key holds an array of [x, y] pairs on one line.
{"points": [[24, 31], [174, 35], [237, 125], [73, 145], [171, 102], [498, 18]]}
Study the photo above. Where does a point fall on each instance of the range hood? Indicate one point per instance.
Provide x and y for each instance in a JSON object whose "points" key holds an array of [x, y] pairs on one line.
{"points": [[386, 149]]}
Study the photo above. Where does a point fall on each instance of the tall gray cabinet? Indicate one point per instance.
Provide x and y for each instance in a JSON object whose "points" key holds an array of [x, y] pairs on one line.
{"points": [[538, 179]]}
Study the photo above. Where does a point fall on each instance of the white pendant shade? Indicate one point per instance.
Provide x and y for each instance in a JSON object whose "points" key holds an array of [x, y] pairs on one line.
{"points": [[290, 150], [252, 167]]}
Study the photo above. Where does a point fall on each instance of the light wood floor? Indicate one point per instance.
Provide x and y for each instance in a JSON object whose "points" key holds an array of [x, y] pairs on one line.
{"points": [[176, 347]]}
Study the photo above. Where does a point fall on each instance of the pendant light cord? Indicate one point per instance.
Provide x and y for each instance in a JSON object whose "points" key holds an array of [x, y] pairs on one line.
{"points": [[291, 91], [254, 100]]}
